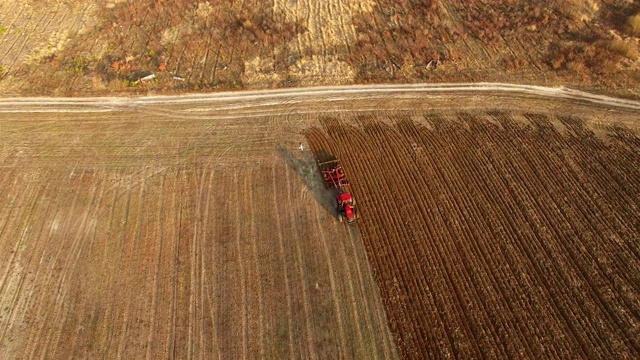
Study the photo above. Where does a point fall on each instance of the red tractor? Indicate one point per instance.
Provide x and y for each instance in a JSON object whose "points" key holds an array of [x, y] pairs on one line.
{"points": [[335, 177]]}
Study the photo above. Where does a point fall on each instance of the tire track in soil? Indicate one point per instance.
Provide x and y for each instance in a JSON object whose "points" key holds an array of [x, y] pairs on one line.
{"points": [[52, 207], [332, 284], [12, 286], [94, 274], [273, 299], [475, 49], [131, 235], [31, 32], [13, 26], [183, 333], [176, 219], [243, 274], [104, 258], [208, 283], [175, 261], [79, 316], [229, 302], [310, 338], [283, 258], [157, 270], [59, 25], [70, 79], [143, 294], [53, 15], [249, 187], [72, 256], [144, 249], [4, 14], [349, 279], [9, 227], [50, 277], [373, 314], [195, 277]]}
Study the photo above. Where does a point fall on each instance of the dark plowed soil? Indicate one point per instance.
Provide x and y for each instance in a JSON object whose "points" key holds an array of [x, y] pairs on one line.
{"points": [[496, 237]]}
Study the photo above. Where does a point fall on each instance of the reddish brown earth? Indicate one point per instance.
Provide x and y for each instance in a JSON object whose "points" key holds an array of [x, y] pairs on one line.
{"points": [[497, 234]]}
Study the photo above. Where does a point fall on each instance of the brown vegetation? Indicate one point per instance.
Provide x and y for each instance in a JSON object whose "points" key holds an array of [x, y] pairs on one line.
{"points": [[232, 45], [135, 39], [515, 35]]}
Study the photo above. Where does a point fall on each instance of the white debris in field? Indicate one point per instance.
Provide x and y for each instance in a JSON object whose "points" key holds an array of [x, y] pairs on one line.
{"points": [[148, 77]]}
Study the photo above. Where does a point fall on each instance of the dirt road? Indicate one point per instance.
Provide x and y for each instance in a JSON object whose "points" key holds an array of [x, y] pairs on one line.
{"points": [[184, 226], [335, 93]]}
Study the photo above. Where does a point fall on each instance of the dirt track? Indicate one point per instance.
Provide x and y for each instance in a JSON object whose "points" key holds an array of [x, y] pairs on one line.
{"points": [[185, 226]]}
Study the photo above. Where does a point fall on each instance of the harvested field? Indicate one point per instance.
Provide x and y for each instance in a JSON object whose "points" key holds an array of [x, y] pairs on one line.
{"points": [[145, 232], [497, 234]]}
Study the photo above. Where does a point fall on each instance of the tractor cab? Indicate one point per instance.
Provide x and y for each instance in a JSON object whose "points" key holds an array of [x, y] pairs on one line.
{"points": [[344, 198]]}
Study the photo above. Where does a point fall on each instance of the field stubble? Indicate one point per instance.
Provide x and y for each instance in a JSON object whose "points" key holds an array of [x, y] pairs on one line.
{"points": [[155, 232]]}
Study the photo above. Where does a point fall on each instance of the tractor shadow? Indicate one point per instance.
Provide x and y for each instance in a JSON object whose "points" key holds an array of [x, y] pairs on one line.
{"points": [[308, 171]]}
